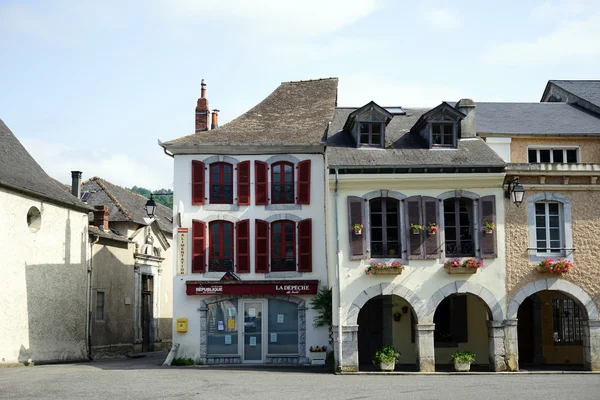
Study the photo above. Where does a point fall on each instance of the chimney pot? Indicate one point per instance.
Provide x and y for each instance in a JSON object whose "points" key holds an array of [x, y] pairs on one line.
{"points": [[76, 184], [101, 217], [215, 119], [202, 110]]}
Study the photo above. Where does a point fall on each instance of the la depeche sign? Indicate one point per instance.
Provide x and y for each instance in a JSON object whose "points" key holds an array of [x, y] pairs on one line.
{"points": [[212, 288]]}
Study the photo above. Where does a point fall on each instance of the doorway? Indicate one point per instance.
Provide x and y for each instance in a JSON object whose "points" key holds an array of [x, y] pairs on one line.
{"points": [[252, 332], [147, 313], [370, 330]]}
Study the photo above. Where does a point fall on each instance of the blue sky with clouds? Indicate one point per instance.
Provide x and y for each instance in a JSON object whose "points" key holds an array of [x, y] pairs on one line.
{"points": [[92, 86]]}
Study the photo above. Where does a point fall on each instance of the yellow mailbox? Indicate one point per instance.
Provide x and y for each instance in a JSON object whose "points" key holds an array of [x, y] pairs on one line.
{"points": [[181, 324]]}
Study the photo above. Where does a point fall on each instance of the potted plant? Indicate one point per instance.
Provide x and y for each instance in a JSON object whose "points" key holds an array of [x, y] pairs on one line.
{"points": [[432, 228], [357, 229], [489, 227], [386, 358], [469, 266], [559, 266], [462, 360], [318, 354], [416, 228], [394, 268]]}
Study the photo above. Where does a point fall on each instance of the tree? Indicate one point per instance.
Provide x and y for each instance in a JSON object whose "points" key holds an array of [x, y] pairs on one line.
{"points": [[165, 196]]}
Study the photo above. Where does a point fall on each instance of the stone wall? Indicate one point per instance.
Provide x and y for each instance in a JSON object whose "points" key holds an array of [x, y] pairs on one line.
{"points": [[589, 148]]}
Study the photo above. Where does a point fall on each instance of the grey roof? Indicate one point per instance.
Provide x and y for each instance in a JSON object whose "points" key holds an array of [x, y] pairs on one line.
{"points": [[296, 113], [125, 205], [535, 119], [587, 90], [93, 230], [402, 148], [20, 172]]}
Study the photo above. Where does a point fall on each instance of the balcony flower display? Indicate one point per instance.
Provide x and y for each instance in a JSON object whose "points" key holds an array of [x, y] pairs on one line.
{"points": [[394, 268], [559, 266], [416, 228], [432, 228], [489, 227], [357, 229], [468, 266]]}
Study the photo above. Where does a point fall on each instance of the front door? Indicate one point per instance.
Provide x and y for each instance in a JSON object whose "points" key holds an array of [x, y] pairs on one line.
{"points": [[147, 314], [252, 331]]}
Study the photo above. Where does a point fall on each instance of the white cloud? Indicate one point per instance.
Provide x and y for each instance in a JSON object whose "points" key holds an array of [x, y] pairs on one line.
{"points": [[441, 18], [359, 89], [560, 9], [572, 39], [58, 160]]}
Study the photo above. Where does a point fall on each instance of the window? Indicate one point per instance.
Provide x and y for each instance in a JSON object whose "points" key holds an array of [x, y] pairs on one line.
{"points": [[566, 315], [282, 183], [450, 321], [34, 219], [221, 183], [442, 134], [385, 227], [548, 231], [370, 133], [458, 227], [99, 306], [553, 155], [283, 327], [222, 335], [220, 256], [283, 246]]}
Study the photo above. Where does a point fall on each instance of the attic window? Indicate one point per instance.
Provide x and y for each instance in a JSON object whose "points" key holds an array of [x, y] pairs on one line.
{"points": [[442, 134], [371, 133]]}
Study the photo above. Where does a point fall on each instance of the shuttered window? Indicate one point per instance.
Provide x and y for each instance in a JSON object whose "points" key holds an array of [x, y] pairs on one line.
{"points": [[261, 246], [221, 250], [305, 245], [197, 183], [198, 246], [422, 227], [356, 217], [221, 183], [242, 229], [304, 182], [385, 227], [458, 227], [283, 246], [282, 183], [243, 183]]}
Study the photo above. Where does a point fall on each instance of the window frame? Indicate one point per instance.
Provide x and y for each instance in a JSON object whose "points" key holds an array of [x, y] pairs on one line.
{"points": [[221, 234], [282, 246], [443, 123], [547, 228], [221, 183], [384, 228], [551, 149], [458, 226], [282, 183], [566, 228], [574, 319], [103, 306], [370, 133]]}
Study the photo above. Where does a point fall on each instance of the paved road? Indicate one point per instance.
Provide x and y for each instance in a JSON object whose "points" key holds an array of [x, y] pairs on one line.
{"points": [[145, 379]]}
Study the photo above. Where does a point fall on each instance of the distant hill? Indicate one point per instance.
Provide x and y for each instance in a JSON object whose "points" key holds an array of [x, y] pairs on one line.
{"points": [[165, 196]]}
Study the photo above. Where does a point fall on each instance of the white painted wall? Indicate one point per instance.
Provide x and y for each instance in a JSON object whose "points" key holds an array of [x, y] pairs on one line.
{"points": [[501, 145], [43, 279], [187, 306]]}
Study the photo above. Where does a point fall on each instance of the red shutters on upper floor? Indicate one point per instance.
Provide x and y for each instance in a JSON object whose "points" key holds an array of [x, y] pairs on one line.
{"points": [[243, 183], [305, 245], [198, 176], [303, 182], [261, 181], [261, 246], [198, 246], [243, 246]]}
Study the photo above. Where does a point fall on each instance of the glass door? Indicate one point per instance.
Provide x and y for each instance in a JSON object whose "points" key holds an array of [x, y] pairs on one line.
{"points": [[252, 331]]}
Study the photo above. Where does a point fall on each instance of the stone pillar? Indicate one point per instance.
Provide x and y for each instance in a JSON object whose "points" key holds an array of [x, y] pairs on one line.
{"points": [[511, 342], [203, 310], [591, 345], [425, 347], [387, 322], [349, 348], [497, 350], [302, 333]]}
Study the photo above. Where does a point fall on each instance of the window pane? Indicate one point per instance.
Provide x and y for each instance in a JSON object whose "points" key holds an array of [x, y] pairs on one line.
{"points": [[376, 139], [540, 208], [364, 127], [532, 155], [572, 156], [222, 328], [283, 327], [541, 234], [540, 221], [376, 128], [436, 128], [553, 208], [557, 155], [364, 139], [544, 156]]}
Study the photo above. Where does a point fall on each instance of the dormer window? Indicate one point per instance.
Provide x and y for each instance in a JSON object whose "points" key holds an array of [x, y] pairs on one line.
{"points": [[439, 126], [370, 134], [442, 134]]}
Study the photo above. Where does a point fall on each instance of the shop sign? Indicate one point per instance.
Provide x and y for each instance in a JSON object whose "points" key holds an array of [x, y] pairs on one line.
{"points": [[182, 250], [210, 288]]}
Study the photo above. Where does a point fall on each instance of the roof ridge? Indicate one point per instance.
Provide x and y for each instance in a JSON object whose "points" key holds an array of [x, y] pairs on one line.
{"points": [[100, 183], [310, 80], [574, 80]]}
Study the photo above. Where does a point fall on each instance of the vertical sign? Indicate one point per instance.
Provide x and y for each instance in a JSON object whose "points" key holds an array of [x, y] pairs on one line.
{"points": [[182, 250]]}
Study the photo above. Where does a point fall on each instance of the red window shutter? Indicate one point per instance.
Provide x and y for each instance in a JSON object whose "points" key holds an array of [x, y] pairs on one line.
{"points": [[261, 246], [305, 245], [304, 182], [261, 178], [198, 246], [356, 216], [242, 229], [197, 183], [413, 216], [430, 211], [243, 186], [487, 241]]}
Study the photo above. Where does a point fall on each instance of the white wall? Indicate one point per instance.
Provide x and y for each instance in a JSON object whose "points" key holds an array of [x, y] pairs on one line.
{"points": [[43, 279], [501, 145]]}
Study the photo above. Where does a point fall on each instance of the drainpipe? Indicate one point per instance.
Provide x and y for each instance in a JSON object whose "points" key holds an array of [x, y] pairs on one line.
{"points": [[337, 271], [89, 299]]}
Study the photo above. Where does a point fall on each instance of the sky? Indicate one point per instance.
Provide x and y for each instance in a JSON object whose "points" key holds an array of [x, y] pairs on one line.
{"points": [[93, 85]]}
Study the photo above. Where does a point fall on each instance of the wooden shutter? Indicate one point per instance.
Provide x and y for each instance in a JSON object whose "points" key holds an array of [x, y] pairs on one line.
{"points": [[413, 216], [261, 246], [356, 216], [197, 183], [242, 229], [304, 182], [261, 181], [430, 212], [305, 245], [243, 184], [487, 242], [198, 247]]}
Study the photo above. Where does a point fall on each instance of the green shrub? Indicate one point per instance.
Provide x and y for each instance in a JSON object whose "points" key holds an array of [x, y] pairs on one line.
{"points": [[463, 356], [183, 361], [385, 354]]}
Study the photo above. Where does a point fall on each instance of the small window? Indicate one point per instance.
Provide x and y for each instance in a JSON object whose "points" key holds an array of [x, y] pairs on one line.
{"points": [[552, 155], [566, 315], [548, 227], [385, 227], [442, 134], [220, 258], [34, 219], [282, 187], [221, 183], [458, 227], [99, 306], [370, 134], [283, 246]]}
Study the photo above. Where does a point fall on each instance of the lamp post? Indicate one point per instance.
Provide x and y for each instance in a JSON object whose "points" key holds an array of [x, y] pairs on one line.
{"points": [[515, 191], [151, 206]]}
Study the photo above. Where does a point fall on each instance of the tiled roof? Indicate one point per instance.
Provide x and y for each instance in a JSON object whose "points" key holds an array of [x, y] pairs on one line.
{"points": [[93, 230], [587, 90], [296, 113], [404, 149], [535, 119], [123, 204], [20, 172]]}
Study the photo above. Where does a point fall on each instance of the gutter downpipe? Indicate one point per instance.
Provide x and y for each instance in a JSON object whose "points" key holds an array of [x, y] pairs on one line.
{"points": [[337, 272], [89, 299]]}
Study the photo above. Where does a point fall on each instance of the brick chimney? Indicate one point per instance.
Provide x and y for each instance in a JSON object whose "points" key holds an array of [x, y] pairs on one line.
{"points": [[215, 119], [101, 217], [76, 184], [202, 110]]}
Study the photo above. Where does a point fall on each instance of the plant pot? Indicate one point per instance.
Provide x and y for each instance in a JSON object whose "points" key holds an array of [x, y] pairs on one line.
{"points": [[462, 366], [358, 232], [317, 357], [461, 270], [389, 271], [431, 232], [487, 231], [415, 231], [387, 366]]}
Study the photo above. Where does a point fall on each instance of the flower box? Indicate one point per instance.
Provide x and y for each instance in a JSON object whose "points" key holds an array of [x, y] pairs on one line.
{"points": [[461, 270], [317, 355], [468, 266], [550, 266], [394, 268]]}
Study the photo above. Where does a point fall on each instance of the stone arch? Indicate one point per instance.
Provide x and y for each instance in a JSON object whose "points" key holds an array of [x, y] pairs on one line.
{"points": [[561, 285], [282, 157], [221, 217], [458, 193], [227, 159], [279, 217], [382, 289], [488, 298], [384, 193]]}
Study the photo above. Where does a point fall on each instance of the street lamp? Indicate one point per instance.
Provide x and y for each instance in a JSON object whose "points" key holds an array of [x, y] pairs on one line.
{"points": [[150, 207], [514, 191]]}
